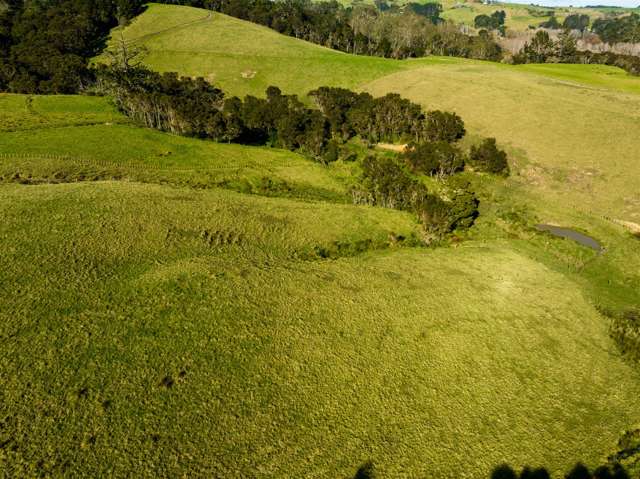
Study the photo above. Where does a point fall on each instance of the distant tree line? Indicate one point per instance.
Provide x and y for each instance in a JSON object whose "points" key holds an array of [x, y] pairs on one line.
{"points": [[542, 49], [619, 29], [415, 30], [45, 46]]}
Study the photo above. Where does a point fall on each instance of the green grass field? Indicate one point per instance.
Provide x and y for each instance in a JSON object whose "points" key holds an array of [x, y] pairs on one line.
{"points": [[21, 112], [147, 346], [165, 307]]}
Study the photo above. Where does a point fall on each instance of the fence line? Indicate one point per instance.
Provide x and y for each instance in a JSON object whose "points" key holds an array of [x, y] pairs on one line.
{"points": [[128, 164]]}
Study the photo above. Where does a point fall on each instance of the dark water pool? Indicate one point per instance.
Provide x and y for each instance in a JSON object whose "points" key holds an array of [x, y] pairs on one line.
{"points": [[571, 234]]}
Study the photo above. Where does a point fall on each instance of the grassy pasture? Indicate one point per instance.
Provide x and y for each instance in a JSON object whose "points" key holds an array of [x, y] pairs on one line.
{"points": [[163, 325], [146, 346], [25, 112], [124, 151]]}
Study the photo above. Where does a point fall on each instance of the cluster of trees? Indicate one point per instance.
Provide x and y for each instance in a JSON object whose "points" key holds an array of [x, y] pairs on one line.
{"points": [[542, 49], [392, 183], [389, 118], [441, 158], [495, 21], [415, 30], [575, 21], [45, 46], [193, 107], [620, 29], [552, 23], [386, 183], [625, 330]]}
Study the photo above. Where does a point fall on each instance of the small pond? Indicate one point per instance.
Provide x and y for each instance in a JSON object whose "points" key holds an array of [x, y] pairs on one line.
{"points": [[571, 234]]}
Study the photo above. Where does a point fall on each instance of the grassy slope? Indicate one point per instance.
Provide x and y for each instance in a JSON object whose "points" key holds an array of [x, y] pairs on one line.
{"points": [[429, 362], [572, 142], [574, 115], [33, 112], [223, 48], [77, 152], [245, 58]]}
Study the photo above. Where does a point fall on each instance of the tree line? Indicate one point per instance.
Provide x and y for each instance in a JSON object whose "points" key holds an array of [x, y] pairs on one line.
{"points": [[542, 49], [620, 29], [193, 107]]}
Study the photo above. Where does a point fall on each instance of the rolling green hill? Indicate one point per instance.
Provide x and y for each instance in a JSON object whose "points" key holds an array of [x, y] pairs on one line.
{"points": [[174, 306], [560, 131], [245, 58], [519, 16]]}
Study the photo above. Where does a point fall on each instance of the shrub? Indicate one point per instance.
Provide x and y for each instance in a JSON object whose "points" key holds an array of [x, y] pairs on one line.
{"points": [[385, 183], [625, 330], [459, 212], [487, 157]]}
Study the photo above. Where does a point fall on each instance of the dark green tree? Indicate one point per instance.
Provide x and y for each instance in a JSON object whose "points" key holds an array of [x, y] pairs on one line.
{"points": [[551, 24], [443, 126], [576, 22], [489, 158], [434, 158]]}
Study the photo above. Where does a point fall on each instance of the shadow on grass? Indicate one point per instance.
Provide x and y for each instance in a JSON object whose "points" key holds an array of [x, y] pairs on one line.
{"points": [[579, 471], [504, 471]]}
